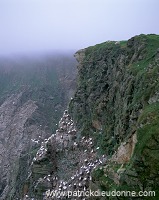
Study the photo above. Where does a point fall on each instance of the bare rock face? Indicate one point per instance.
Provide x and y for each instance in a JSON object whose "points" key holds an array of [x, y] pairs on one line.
{"points": [[80, 55], [125, 150], [16, 142]]}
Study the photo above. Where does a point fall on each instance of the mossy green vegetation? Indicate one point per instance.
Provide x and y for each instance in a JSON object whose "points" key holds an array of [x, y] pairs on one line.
{"points": [[117, 95]]}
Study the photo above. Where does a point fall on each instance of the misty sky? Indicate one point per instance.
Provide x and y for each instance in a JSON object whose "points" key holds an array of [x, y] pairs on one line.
{"points": [[44, 25]]}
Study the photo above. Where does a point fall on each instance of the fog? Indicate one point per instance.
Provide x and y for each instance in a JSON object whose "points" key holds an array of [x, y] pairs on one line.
{"points": [[29, 26]]}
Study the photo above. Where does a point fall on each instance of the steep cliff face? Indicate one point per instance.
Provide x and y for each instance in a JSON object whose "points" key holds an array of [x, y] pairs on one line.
{"points": [[117, 104], [112, 140], [15, 142]]}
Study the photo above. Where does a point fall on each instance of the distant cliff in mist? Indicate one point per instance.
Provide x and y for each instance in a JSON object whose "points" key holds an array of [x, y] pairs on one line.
{"points": [[34, 91]]}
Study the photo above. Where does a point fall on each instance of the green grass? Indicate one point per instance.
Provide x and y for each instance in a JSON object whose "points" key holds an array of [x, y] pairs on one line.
{"points": [[123, 43], [99, 49], [150, 121], [152, 44]]}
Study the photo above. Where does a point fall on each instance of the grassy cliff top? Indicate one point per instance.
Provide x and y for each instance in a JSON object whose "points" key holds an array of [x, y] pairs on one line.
{"points": [[152, 41]]}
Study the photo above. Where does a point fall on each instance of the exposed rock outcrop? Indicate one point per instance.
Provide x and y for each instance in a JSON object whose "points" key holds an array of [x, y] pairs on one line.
{"points": [[125, 150], [13, 140]]}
